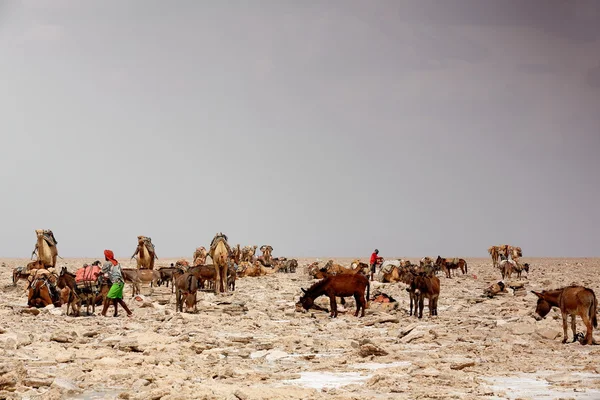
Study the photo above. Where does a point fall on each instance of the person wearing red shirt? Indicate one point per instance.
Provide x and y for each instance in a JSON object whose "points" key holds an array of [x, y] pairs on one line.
{"points": [[374, 261]]}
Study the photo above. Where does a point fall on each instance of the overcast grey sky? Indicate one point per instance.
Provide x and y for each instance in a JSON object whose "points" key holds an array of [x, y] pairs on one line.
{"points": [[323, 128]]}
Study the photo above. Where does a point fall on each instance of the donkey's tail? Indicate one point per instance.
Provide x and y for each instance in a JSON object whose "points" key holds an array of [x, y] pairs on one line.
{"points": [[594, 309], [368, 290], [466, 270]]}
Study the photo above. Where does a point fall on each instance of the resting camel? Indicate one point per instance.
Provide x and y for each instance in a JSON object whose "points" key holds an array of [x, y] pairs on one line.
{"points": [[219, 252], [200, 256], [46, 248], [248, 253], [145, 253], [236, 254], [266, 257], [253, 269]]}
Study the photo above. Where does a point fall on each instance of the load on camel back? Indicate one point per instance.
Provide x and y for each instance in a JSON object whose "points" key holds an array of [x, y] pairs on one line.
{"points": [[145, 253], [45, 248]]}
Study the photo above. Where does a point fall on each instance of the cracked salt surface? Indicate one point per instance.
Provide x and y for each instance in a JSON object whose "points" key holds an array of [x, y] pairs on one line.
{"points": [[321, 380], [375, 366], [533, 386]]}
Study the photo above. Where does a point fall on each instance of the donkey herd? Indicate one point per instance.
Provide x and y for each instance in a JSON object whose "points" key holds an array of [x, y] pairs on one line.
{"points": [[89, 287]]}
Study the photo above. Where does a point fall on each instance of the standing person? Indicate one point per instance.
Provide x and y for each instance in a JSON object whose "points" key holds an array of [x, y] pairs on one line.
{"points": [[112, 270], [375, 259]]}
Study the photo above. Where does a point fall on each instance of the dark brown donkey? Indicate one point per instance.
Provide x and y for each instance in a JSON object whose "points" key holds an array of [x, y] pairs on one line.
{"points": [[573, 301], [448, 264], [343, 285], [424, 285], [186, 287]]}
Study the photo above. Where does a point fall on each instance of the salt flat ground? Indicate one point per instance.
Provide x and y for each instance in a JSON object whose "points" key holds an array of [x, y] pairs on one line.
{"points": [[252, 344]]}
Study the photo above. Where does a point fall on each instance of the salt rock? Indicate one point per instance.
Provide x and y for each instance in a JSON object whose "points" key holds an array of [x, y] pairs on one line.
{"points": [[370, 349], [430, 372], [417, 334], [109, 361], [56, 311], [63, 337], [522, 329], [274, 355], [258, 354], [66, 386], [548, 333], [65, 358]]}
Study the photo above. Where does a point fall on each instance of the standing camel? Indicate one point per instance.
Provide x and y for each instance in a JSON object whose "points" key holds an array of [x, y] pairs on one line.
{"points": [[220, 253], [46, 248], [145, 253], [494, 253]]}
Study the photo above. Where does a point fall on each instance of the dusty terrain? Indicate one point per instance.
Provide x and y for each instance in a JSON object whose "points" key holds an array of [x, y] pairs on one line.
{"points": [[254, 345]]}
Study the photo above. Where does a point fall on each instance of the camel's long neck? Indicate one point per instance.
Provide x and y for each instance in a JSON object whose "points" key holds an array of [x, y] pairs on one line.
{"points": [[42, 248]]}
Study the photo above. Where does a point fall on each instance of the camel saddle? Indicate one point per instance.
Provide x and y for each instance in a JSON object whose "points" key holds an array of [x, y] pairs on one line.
{"points": [[49, 238], [219, 238], [149, 245]]}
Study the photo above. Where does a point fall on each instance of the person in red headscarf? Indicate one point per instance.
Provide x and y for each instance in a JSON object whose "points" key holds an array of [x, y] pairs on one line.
{"points": [[112, 271]]}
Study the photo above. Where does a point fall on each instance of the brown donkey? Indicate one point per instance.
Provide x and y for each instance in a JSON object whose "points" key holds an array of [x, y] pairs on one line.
{"points": [[343, 285], [573, 301], [422, 286]]}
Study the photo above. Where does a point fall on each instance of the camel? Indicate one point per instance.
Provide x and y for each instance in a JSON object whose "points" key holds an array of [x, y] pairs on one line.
{"points": [[145, 253], [46, 247], [266, 257], [236, 254], [494, 253], [248, 253], [515, 252], [219, 252], [247, 268], [503, 249], [200, 256]]}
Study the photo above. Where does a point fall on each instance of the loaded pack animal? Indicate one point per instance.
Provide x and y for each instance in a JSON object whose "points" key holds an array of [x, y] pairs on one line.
{"points": [[504, 250], [494, 252], [19, 273], [449, 264], [508, 267], [87, 289], [572, 301], [515, 252], [219, 252], [145, 253], [248, 253], [343, 285], [42, 290], [317, 272], [45, 248], [200, 256], [186, 288]]}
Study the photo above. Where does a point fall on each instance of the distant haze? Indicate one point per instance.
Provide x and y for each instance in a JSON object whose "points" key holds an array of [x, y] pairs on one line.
{"points": [[323, 128]]}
